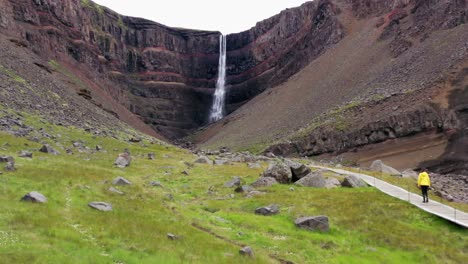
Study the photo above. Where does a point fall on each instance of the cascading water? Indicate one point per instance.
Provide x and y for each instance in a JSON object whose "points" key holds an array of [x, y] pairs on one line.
{"points": [[217, 110]]}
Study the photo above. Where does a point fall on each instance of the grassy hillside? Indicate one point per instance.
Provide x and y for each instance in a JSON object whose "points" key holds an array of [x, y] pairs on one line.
{"points": [[211, 224]]}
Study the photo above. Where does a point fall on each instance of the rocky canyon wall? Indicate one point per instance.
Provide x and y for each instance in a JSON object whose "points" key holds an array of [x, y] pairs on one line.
{"points": [[164, 75]]}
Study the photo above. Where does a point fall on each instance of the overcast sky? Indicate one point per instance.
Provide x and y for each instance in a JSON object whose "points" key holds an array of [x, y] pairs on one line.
{"points": [[227, 16]]}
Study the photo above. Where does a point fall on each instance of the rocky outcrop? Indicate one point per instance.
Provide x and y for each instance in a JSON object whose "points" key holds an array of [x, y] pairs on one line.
{"points": [[329, 139]]}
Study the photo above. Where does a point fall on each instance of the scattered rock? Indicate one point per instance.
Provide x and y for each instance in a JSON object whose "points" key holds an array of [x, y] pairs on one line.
{"points": [[7, 159], [185, 172], [409, 173], [135, 140], [77, 145], [117, 191], [203, 160], [254, 193], [353, 182], [48, 149], [123, 160], [332, 183], [254, 165], [379, 166], [98, 148], [10, 166], [298, 170], [172, 236], [235, 182], [314, 223], [264, 182], [34, 197], [246, 251], [220, 162], [156, 184], [314, 179], [121, 181], [151, 156], [268, 210], [25, 154], [101, 206], [244, 189], [280, 171]]}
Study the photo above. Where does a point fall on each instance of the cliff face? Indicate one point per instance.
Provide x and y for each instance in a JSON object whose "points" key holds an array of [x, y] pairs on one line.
{"points": [[164, 75]]}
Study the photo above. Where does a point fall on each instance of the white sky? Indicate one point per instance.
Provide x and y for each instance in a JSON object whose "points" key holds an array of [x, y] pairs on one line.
{"points": [[227, 16]]}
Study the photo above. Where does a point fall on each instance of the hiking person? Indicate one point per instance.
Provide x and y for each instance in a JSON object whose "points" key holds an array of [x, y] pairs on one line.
{"points": [[424, 182]]}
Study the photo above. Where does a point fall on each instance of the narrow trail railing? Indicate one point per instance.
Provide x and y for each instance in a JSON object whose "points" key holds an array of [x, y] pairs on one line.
{"points": [[444, 211]]}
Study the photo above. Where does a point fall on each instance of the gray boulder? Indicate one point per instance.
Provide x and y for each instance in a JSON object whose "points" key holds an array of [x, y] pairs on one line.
{"points": [[409, 173], [279, 171], [203, 160], [268, 210], [121, 181], [244, 189], [379, 166], [352, 181], [7, 159], [117, 191], [34, 197], [10, 166], [25, 154], [264, 182], [254, 165], [156, 184], [101, 206], [246, 251], [220, 162], [123, 160], [332, 183], [235, 182], [313, 223], [314, 179], [49, 150], [151, 156], [298, 170]]}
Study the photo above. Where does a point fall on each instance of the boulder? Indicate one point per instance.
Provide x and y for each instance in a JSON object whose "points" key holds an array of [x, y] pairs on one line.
{"points": [[244, 189], [7, 159], [25, 154], [332, 183], [298, 170], [246, 251], [264, 182], [254, 165], [353, 182], [151, 156], [123, 160], [313, 223], [254, 193], [235, 182], [172, 236], [220, 162], [10, 166], [34, 197], [98, 148], [314, 179], [203, 160], [101, 206], [156, 184], [409, 173], [121, 181], [117, 191], [48, 149], [279, 171], [379, 166], [268, 210]]}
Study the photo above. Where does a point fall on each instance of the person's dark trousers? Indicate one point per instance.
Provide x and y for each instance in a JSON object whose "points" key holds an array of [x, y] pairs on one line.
{"points": [[424, 193]]}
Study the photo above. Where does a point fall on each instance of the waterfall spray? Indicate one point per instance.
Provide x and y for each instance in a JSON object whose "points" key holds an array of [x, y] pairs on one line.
{"points": [[217, 110]]}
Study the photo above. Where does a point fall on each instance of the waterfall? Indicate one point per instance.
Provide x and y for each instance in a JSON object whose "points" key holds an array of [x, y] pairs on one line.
{"points": [[217, 110]]}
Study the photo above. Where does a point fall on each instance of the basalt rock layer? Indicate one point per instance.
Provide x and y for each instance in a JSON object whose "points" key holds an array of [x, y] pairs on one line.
{"points": [[166, 76]]}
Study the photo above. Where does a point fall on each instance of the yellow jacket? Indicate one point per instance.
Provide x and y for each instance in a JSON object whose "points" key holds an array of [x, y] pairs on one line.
{"points": [[423, 179]]}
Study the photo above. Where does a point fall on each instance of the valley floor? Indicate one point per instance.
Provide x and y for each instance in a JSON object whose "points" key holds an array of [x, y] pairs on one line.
{"points": [[211, 222]]}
